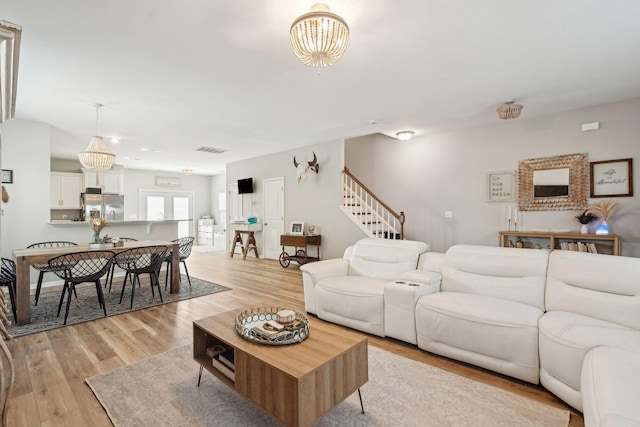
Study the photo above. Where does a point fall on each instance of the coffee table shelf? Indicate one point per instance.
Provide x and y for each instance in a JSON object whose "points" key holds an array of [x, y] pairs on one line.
{"points": [[290, 373]]}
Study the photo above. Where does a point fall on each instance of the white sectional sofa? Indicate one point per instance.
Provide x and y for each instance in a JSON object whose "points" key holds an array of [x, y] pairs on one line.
{"points": [[557, 318]]}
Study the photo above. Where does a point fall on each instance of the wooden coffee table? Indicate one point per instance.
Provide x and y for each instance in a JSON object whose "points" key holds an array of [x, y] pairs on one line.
{"points": [[296, 384]]}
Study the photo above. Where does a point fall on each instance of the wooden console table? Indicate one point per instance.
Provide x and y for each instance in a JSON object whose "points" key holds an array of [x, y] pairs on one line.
{"points": [[300, 251], [602, 243], [250, 245]]}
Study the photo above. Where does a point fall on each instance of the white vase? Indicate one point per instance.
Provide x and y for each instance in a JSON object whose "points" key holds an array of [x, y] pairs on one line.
{"points": [[584, 229]]}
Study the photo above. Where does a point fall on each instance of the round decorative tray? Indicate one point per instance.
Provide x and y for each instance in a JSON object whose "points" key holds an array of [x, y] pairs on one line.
{"points": [[250, 324]]}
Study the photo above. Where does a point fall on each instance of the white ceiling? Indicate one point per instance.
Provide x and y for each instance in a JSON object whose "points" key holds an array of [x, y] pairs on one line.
{"points": [[174, 76]]}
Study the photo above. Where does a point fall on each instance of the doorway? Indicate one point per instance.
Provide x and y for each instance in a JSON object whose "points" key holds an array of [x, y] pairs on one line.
{"points": [[273, 227], [167, 205]]}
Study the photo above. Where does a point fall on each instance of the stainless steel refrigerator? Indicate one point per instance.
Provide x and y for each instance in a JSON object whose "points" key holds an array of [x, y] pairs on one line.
{"points": [[108, 206]]}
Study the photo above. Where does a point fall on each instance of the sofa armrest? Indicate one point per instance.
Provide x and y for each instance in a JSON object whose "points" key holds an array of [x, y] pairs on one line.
{"points": [[313, 272]]}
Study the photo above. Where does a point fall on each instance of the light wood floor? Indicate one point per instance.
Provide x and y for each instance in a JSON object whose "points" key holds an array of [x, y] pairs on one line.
{"points": [[52, 366]]}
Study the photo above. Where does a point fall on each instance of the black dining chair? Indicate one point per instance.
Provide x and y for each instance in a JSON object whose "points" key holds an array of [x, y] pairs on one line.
{"points": [[8, 279], [143, 260], [113, 265], [185, 244], [81, 267], [44, 268]]}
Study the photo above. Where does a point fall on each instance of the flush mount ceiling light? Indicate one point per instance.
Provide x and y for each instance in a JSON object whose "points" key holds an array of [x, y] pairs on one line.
{"points": [[509, 110], [319, 38], [96, 156], [404, 135]]}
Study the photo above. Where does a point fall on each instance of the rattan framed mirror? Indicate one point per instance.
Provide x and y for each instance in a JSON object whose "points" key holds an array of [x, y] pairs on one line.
{"points": [[555, 183]]}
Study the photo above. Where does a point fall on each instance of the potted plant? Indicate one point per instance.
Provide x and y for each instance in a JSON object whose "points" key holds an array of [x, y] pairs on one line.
{"points": [[585, 218], [603, 210]]}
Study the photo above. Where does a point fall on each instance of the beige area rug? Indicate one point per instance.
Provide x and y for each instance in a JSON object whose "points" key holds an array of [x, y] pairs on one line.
{"points": [[162, 391]]}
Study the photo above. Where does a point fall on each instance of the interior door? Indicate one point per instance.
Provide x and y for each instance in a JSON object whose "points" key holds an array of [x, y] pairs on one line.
{"points": [[273, 218]]}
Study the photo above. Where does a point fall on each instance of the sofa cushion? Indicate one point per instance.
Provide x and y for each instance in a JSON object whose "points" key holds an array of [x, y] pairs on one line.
{"points": [[492, 333], [509, 273], [565, 339], [385, 259], [610, 388], [353, 301], [602, 286]]}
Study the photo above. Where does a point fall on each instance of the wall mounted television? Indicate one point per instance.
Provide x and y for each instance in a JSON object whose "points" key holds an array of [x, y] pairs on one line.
{"points": [[245, 186]]}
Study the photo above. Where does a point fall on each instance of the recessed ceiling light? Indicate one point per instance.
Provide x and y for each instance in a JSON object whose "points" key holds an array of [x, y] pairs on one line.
{"points": [[115, 140], [405, 135], [144, 149], [158, 151]]}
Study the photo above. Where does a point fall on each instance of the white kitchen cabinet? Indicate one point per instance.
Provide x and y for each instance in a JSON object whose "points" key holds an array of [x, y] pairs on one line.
{"points": [[110, 181], [65, 190], [205, 232]]}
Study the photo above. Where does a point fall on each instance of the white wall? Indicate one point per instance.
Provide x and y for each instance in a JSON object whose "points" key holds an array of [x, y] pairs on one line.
{"points": [[25, 150], [427, 176], [315, 201]]}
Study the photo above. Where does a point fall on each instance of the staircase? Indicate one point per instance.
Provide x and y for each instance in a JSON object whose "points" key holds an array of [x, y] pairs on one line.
{"points": [[368, 212]]}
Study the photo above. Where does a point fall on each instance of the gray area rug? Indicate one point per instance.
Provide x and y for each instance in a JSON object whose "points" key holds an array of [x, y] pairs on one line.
{"points": [[162, 391], [85, 307]]}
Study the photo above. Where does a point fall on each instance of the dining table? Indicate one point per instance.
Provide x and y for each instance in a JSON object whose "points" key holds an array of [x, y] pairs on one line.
{"points": [[25, 258]]}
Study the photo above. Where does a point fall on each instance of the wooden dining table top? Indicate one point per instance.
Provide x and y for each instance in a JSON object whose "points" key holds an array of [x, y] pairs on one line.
{"points": [[44, 254]]}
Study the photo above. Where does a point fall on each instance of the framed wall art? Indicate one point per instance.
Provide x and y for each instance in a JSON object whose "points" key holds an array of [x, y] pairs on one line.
{"points": [[611, 178], [557, 183], [501, 186], [297, 228], [7, 176]]}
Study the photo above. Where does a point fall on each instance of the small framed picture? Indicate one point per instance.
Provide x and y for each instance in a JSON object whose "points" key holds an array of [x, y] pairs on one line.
{"points": [[501, 186], [7, 176], [611, 178], [297, 228]]}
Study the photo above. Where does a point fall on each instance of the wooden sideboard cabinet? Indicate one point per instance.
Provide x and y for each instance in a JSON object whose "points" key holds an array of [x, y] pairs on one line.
{"points": [[597, 243]]}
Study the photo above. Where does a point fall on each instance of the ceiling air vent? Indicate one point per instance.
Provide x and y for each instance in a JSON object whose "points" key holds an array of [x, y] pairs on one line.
{"points": [[212, 150]]}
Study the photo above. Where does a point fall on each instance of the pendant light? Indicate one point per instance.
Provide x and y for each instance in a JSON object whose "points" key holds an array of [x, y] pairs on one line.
{"points": [[96, 156]]}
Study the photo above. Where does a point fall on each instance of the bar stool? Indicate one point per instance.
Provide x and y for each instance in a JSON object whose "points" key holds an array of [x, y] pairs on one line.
{"points": [[185, 245], [8, 279], [81, 267], [44, 268], [144, 260]]}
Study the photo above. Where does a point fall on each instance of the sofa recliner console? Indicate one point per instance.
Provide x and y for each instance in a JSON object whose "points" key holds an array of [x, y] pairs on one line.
{"points": [[530, 314]]}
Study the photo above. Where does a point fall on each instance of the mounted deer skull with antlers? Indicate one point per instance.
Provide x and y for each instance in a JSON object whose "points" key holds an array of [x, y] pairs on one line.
{"points": [[303, 169]]}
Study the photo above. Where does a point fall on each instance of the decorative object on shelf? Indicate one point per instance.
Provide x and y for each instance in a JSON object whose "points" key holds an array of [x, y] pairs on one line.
{"points": [[584, 219], [260, 325], [319, 38], [404, 135], [501, 186], [303, 169], [611, 178], [96, 156], [7, 176], [553, 183], [311, 229], [509, 110], [297, 228], [603, 210], [97, 224]]}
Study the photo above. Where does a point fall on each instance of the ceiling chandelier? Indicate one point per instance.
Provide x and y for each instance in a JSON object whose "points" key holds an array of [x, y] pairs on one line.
{"points": [[96, 156], [509, 110], [319, 38]]}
